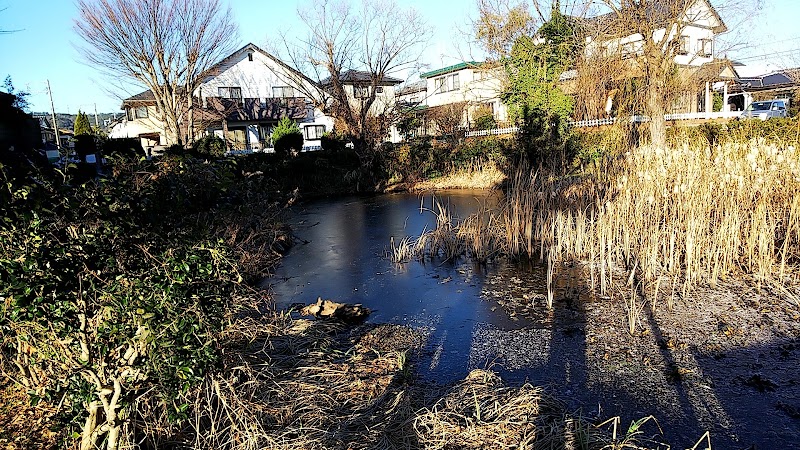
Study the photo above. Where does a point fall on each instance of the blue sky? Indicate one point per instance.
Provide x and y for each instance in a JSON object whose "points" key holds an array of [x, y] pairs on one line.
{"points": [[44, 47]]}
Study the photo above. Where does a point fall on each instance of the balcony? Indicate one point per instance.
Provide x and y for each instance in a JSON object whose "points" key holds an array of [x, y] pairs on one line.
{"points": [[254, 109]]}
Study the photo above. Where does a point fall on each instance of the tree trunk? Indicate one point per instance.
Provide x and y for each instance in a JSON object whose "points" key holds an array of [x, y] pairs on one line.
{"points": [[190, 121], [90, 427], [655, 109]]}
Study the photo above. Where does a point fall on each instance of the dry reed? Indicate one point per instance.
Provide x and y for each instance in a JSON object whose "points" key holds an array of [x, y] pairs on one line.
{"points": [[685, 215]]}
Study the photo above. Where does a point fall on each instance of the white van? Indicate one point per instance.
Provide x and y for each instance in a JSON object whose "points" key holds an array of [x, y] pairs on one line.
{"points": [[768, 109]]}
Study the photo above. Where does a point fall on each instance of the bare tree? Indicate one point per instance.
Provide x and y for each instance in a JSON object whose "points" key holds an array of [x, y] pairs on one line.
{"points": [[501, 23], [448, 119], [638, 42], [165, 45], [350, 48]]}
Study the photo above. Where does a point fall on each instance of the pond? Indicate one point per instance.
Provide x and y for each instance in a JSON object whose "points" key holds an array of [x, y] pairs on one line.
{"points": [[716, 365], [346, 260]]}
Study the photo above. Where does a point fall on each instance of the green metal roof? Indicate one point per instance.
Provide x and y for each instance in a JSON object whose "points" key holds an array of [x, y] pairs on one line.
{"points": [[448, 69]]}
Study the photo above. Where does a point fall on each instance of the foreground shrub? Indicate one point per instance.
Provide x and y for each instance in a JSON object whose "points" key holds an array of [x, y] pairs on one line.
{"points": [[286, 137], [210, 146], [114, 291]]}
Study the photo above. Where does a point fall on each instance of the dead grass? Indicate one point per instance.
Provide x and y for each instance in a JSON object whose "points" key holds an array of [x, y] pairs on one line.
{"points": [[480, 412], [298, 384], [483, 176], [670, 218]]}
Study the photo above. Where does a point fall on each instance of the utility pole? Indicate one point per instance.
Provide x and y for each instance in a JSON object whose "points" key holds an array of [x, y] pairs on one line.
{"points": [[55, 121], [96, 121]]}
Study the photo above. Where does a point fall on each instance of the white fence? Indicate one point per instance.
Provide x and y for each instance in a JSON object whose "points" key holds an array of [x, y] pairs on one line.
{"points": [[703, 115], [495, 132]]}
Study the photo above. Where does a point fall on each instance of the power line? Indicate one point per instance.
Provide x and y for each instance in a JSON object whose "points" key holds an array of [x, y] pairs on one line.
{"points": [[766, 55]]}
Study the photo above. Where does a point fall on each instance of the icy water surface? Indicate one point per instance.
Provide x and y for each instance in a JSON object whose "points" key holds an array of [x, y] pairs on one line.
{"points": [[345, 260]]}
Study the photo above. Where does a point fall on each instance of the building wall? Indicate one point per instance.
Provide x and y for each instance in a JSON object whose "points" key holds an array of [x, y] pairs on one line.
{"points": [[256, 78], [256, 74], [133, 128], [476, 87]]}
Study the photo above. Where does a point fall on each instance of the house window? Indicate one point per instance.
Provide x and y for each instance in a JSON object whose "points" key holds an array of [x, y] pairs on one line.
{"points": [[379, 90], [360, 91], [440, 85], [282, 92], [250, 57], [141, 112], [705, 47], [684, 45], [230, 92], [447, 83], [130, 113], [313, 132], [453, 82]]}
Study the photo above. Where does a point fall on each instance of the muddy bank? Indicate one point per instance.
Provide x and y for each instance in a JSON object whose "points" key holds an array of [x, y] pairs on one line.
{"points": [[723, 360]]}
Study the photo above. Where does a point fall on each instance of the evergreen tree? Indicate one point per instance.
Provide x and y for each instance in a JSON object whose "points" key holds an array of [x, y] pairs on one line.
{"points": [[82, 126]]}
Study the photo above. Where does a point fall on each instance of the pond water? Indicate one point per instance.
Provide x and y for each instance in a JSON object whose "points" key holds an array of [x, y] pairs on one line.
{"points": [[346, 260], [685, 367]]}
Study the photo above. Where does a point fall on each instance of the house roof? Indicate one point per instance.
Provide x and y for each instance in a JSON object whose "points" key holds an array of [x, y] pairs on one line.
{"points": [[145, 96], [413, 88], [453, 68], [773, 80], [361, 77], [659, 12], [250, 47]]}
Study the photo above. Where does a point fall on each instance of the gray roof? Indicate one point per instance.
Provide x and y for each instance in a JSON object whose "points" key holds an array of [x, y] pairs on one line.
{"points": [[413, 88], [362, 77]]}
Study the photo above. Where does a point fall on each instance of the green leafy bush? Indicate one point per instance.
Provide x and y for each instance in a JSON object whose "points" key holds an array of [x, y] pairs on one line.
{"points": [[286, 137], [113, 292], [483, 118], [332, 142], [210, 146]]}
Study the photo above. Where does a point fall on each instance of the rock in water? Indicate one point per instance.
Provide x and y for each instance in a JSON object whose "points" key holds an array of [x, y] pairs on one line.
{"points": [[328, 309]]}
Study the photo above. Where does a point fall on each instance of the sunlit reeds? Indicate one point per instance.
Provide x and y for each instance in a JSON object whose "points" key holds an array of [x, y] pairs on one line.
{"points": [[676, 217]]}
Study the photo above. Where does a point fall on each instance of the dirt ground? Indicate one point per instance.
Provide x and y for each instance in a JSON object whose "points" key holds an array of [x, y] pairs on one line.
{"points": [[722, 360]]}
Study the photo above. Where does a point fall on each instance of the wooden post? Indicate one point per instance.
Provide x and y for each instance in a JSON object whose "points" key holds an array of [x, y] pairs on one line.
{"points": [[725, 106], [709, 103], [55, 121]]}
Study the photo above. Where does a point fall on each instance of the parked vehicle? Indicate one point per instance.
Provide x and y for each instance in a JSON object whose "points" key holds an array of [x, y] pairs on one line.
{"points": [[768, 109]]}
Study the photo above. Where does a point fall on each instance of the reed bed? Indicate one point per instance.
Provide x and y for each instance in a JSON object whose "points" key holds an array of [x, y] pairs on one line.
{"points": [[670, 218]]}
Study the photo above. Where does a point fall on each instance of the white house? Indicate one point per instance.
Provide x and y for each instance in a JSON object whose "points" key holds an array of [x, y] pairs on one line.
{"points": [[691, 26], [473, 83], [240, 100]]}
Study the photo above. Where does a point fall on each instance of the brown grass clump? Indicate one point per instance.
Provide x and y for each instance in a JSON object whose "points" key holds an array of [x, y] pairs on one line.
{"points": [[476, 176], [298, 384], [480, 412]]}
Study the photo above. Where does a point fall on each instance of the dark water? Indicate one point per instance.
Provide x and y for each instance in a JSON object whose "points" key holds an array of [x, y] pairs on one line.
{"points": [[345, 260], [463, 308]]}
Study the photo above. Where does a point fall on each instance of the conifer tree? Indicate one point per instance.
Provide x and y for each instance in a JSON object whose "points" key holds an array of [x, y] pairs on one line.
{"points": [[82, 125]]}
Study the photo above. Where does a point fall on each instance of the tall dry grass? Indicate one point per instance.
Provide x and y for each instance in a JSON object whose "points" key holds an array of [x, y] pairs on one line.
{"points": [[672, 218]]}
